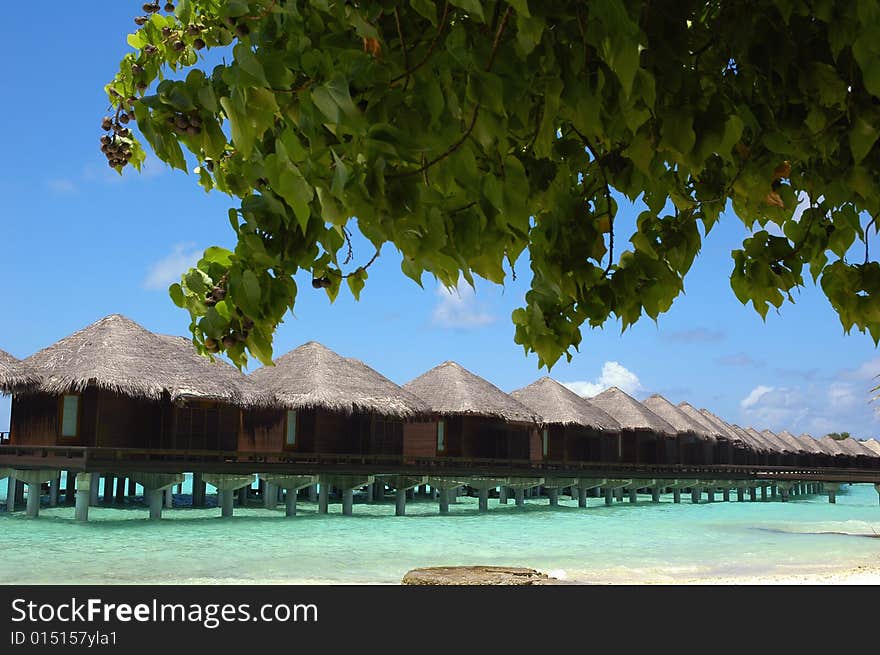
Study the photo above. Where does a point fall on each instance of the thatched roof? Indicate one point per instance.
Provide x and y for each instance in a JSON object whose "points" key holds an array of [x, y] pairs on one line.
{"points": [[755, 443], [833, 446], [811, 444], [787, 445], [314, 376], [677, 418], [779, 446], [796, 444], [451, 390], [558, 405], [872, 444], [14, 374], [855, 448], [728, 432], [698, 417], [118, 355], [770, 445], [630, 413]]}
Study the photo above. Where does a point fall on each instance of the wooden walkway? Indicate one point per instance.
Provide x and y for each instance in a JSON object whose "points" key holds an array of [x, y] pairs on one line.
{"points": [[121, 460]]}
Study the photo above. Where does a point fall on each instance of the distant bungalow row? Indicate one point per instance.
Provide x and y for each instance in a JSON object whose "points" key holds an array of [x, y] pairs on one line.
{"points": [[118, 401]]}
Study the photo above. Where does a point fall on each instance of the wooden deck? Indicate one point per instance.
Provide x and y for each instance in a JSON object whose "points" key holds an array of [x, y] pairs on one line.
{"points": [[121, 460]]}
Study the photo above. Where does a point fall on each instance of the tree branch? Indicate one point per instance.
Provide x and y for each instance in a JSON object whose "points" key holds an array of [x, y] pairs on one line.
{"points": [[402, 45], [365, 266], [455, 146], [430, 51], [873, 221], [607, 188]]}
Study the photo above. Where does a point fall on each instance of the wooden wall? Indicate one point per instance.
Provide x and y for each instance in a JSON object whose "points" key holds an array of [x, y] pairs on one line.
{"points": [[420, 439]]}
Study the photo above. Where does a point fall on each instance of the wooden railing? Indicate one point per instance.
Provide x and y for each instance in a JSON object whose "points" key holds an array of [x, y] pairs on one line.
{"points": [[96, 459]]}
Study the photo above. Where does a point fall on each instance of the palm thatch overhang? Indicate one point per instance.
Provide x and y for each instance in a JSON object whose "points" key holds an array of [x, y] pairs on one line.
{"points": [[14, 374], [451, 390], [698, 417], [874, 445], [313, 376], [755, 437], [730, 434], [855, 448], [118, 355], [770, 438], [677, 418], [630, 413], [812, 444], [788, 446], [559, 405], [834, 447], [796, 444]]}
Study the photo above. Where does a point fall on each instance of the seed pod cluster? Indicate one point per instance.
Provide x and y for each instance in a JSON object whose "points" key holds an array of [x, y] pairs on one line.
{"points": [[320, 283], [186, 123], [115, 144]]}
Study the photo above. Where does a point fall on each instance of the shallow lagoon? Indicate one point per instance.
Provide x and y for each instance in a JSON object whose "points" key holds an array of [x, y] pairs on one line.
{"points": [[621, 543]]}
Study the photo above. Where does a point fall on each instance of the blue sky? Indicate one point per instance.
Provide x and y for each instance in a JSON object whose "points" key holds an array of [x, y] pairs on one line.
{"points": [[79, 242]]}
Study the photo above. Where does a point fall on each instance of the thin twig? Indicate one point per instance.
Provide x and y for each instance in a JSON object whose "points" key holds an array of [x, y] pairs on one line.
{"points": [[870, 223], [430, 51], [607, 187], [402, 45], [455, 146], [365, 266]]}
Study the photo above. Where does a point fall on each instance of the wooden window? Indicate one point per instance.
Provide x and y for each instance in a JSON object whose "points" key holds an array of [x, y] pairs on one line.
{"points": [[70, 416], [545, 442], [290, 429], [441, 436]]}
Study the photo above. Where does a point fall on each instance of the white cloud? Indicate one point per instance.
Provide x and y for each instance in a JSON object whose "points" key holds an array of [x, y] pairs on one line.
{"points": [[755, 395], [614, 374], [168, 269], [842, 395], [458, 308]]}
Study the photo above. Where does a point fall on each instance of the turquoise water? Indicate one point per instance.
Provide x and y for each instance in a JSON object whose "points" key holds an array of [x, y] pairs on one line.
{"points": [[622, 543]]}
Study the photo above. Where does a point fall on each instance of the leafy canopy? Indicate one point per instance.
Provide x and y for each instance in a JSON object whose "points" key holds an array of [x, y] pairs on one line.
{"points": [[466, 132]]}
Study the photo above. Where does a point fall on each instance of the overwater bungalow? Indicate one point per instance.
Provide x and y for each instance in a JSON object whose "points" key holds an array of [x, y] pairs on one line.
{"points": [[471, 418], [115, 384], [696, 440], [11, 373], [572, 430], [645, 437], [873, 445], [818, 455], [741, 450], [766, 451], [860, 456], [723, 452], [324, 403]]}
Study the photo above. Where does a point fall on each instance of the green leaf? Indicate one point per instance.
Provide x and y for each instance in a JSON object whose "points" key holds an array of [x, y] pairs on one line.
{"points": [[472, 7], [862, 137]]}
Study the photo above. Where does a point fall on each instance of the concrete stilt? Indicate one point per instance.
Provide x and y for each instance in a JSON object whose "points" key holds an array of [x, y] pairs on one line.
{"points": [[83, 482], [69, 487], [773, 491], [226, 497], [323, 498], [695, 494], [313, 493], [154, 500], [676, 495], [53, 490], [120, 490], [243, 496], [609, 493], [484, 499], [400, 502], [198, 490], [132, 488], [108, 489], [655, 495], [444, 500], [520, 497], [502, 494], [270, 495], [553, 495], [763, 492], [370, 489], [725, 495], [831, 488], [169, 498], [93, 489], [582, 497], [33, 500], [753, 494], [290, 503], [740, 494], [347, 501], [710, 494], [618, 493], [633, 495]]}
